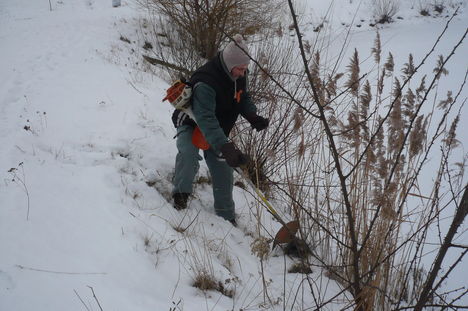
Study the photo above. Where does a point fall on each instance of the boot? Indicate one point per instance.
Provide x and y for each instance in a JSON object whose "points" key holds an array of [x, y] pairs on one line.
{"points": [[180, 200]]}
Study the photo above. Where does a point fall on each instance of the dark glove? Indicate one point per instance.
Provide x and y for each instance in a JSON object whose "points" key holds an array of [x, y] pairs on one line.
{"points": [[234, 157], [258, 122]]}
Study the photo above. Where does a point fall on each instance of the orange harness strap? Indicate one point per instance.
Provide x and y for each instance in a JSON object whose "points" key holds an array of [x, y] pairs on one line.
{"points": [[238, 96]]}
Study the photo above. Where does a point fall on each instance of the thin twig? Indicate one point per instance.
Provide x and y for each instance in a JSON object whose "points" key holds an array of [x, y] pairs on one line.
{"points": [[461, 213], [21, 181], [155, 61], [60, 272], [76, 293], [95, 298]]}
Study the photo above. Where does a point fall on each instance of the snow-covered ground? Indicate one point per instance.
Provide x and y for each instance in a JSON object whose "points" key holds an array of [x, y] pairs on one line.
{"points": [[86, 158]]}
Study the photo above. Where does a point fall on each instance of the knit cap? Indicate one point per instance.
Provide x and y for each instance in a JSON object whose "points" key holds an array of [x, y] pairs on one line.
{"points": [[233, 55]]}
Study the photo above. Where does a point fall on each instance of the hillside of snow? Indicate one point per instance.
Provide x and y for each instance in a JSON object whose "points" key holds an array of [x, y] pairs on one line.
{"points": [[86, 159]]}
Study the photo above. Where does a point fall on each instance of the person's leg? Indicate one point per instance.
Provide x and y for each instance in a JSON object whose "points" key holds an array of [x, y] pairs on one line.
{"points": [[222, 178], [186, 166]]}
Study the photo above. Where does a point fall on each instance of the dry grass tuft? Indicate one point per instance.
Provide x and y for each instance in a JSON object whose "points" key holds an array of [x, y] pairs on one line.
{"points": [[260, 247], [301, 268], [205, 282], [203, 180], [179, 229]]}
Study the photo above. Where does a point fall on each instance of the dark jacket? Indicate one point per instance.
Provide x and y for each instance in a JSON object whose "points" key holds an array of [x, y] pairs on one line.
{"points": [[218, 100]]}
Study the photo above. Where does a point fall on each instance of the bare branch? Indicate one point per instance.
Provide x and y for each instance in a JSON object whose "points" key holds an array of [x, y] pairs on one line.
{"points": [[461, 213]]}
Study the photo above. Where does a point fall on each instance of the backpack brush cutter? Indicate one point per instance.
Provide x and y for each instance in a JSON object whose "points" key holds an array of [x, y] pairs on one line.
{"points": [[287, 233], [179, 95]]}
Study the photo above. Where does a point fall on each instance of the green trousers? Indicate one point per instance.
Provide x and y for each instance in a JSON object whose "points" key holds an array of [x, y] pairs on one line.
{"points": [[186, 167]]}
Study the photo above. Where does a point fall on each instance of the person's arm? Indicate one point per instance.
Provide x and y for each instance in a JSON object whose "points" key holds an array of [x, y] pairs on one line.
{"points": [[249, 112], [204, 110], [247, 108]]}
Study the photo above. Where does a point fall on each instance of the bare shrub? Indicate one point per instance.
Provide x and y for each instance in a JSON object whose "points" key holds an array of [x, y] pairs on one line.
{"points": [[271, 149], [345, 155], [362, 191], [186, 33], [385, 10], [436, 7]]}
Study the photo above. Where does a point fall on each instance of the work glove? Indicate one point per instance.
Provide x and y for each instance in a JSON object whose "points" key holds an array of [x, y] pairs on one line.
{"points": [[180, 118], [258, 122], [234, 157]]}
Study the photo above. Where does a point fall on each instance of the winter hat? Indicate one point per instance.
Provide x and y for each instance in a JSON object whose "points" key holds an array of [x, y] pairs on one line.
{"points": [[233, 55]]}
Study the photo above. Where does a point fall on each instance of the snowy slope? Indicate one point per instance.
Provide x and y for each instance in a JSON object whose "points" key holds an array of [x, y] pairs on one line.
{"points": [[80, 139], [85, 164], [77, 109]]}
